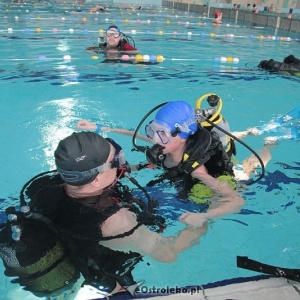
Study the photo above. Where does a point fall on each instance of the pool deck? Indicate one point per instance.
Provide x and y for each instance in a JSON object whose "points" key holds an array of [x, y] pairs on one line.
{"points": [[267, 289]]}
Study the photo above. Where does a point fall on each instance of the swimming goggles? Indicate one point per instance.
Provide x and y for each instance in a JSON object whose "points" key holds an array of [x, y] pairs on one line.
{"points": [[113, 33], [77, 176]]}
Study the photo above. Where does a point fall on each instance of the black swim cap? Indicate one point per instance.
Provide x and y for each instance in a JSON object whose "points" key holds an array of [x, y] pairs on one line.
{"points": [[80, 152]]}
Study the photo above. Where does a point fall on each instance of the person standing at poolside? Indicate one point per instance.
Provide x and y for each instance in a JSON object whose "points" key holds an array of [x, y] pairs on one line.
{"points": [[254, 9], [271, 9], [218, 17]]}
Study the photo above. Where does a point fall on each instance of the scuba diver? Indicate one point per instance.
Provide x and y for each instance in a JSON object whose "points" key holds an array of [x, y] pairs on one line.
{"points": [[289, 66], [116, 43], [191, 156], [105, 229]]}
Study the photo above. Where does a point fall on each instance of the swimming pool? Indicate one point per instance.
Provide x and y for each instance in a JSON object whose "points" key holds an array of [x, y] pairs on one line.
{"points": [[48, 83]]}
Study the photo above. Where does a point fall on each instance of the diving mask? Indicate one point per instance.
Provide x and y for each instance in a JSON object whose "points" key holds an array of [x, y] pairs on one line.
{"points": [[159, 133], [113, 33], [162, 133]]}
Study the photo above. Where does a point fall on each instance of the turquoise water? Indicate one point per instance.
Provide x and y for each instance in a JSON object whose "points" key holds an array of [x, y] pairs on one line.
{"points": [[44, 93]]}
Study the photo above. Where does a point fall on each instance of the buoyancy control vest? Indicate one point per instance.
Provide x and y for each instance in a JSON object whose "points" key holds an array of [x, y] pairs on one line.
{"points": [[205, 148], [48, 197], [79, 223], [202, 148]]}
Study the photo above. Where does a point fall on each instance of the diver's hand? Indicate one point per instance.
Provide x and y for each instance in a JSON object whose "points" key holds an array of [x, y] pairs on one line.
{"points": [[86, 125], [188, 237], [193, 219]]}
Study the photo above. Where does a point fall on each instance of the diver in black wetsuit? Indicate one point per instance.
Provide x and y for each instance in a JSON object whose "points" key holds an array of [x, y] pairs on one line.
{"points": [[289, 66]]}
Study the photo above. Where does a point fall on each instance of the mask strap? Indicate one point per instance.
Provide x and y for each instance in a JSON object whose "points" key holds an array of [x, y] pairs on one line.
{"points": [[176, 131]]}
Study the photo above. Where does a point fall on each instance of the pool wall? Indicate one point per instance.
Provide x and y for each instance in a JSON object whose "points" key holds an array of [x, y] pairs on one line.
{"points": [[260, 19], [283, 5]]}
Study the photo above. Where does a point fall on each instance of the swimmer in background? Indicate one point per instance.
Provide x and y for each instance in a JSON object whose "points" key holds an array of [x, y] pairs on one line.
{"points": [[132, 7], [116, 43], [218, 17], [97, 8]]}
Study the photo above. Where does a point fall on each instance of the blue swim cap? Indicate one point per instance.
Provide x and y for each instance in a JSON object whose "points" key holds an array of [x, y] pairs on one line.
{"points": [[178, 114], [115, 27]]}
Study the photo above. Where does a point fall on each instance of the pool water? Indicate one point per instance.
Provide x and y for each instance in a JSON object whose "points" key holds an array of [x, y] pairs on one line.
{"points": [[48, 83]]}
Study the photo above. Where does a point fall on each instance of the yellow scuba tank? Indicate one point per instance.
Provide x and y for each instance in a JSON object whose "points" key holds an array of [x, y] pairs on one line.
{"points": [[207, 118]]}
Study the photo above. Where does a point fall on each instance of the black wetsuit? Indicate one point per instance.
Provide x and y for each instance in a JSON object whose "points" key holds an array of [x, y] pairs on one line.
{"points": [[77, 224]]}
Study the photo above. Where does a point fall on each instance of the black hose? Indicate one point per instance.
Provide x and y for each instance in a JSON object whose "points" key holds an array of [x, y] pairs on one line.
{"points": [[251, 181], [142, 148], [22, 197]]}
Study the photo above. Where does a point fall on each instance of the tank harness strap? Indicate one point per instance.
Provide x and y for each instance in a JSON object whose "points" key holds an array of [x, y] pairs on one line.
{"points": [[121, 235], [189, 167], [230, 142], [198, 148]]}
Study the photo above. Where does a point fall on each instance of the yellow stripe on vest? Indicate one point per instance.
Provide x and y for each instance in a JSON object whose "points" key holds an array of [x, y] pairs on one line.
{"points": [[195, 164], [185, 156]]}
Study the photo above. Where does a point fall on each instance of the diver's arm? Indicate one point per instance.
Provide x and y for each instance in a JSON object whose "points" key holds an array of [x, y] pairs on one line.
{"points": [[225, 201], [145, 241], [87, 125], [92, 49]]}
